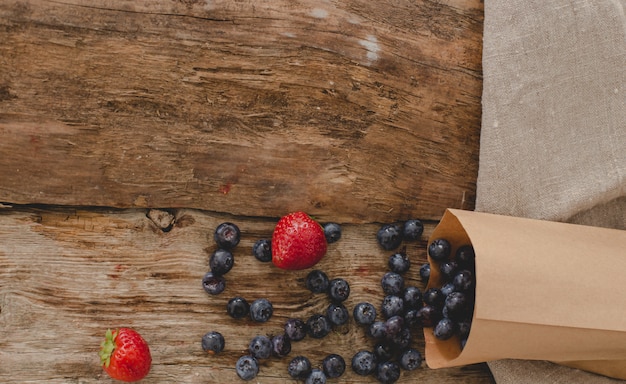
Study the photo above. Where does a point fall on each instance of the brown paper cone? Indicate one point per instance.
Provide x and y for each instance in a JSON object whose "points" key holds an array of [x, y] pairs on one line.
{"points": [[544, 291]]}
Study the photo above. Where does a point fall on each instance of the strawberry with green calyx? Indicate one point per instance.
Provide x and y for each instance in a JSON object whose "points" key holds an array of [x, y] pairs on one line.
{"points": [[125, 355], [298, 242]]}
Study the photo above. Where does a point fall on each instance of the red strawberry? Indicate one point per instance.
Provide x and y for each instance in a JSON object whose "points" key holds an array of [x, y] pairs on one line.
{"points": [[298, 242], [125, 355]]}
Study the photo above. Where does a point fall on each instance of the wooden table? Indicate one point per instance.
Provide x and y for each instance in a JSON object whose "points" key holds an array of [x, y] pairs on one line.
{"points": [[130, 130]]}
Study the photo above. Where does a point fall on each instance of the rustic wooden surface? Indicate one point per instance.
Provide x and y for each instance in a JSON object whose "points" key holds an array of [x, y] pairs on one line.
{"points": [[358, 112]]}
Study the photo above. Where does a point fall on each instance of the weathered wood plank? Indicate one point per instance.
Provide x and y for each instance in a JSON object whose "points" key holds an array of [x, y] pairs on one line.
{"points": [[358, 110], [66, 275]]}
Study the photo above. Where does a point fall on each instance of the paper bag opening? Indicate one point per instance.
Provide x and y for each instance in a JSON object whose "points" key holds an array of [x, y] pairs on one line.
{"points": [[544, 291]]}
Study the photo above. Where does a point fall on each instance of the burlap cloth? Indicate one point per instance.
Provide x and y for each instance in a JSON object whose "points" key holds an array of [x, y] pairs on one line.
{"points": [[553, 137]]}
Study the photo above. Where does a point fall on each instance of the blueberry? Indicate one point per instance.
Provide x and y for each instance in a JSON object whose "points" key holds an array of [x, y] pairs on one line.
{"points": [[281, 345], [389, 236], [439, 250], [261, 310], [392, 305], [412, 229], [316, 376], [332, 232], [428, 315], [388, 372], [237, 307], [444, 329], [337, 313], [384, 351], [227, 235], [338, 290], [412, 297], [464, 280], [299, 367], [260, 347], [247, 367], [465, 256], [392, 283], [399, 262], [447, 288], [402, 339], [364, 363], [318, 326], [221, 261], [463, 328], [410, 359], [394, 325], [425, 273], [378, 330], [456, 305], [317, 281], [434, 296], [295, 329], [213, 342], [448, 269], [412, 318], [262, 250], [364, 313], [213, 284], [333, 365]]}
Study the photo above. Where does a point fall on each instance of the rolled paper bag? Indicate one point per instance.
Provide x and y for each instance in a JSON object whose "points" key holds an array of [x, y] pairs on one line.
{"points": [[543, 291]]}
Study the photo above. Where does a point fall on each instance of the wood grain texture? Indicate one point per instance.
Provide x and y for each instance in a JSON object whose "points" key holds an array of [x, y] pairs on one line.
{"points": [[360, 111], [69, 274]]}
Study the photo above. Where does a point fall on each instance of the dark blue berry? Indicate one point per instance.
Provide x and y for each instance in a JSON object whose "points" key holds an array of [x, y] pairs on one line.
{"points": [[338, 290], [388, 372], [332, 232], [337, 313], [237, 307], [389, 236], [394, 325], [429, 315], [378, 330], [402, 339], [299, 367], [444, 329], [384, 350], [260, 347], [465, 256], [412, 297], [392, 305], [410, 359], [399, 262], [317, 281], [464, 280], [392, 283], [247, 367], [456, 306], [227, 235], [213, 284], [364, 313], [221, 261], [364, 363], [425, 273], [433, 296], [412, 318], [447, 288], [295, 329], [262, 250], [316, 376], [213, 342], [413, 230], [448, 269], [333, 365], [261, 310], [318, 326], [281, 345], [439, 250], [463, 328]]}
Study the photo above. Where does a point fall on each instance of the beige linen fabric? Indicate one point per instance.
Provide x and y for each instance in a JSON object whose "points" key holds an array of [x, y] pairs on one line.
{"points": [[553, 138]]}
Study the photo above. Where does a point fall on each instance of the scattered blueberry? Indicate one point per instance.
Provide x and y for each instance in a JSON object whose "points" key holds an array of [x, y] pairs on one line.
{"points": [[262, 250], [392, 283], [338, 290], [213, 342], [402, 339], [237, 307], [464, 280], [389, 236], [388, 372], [456, 306], [317, 281], [412, 297], [412, 318], [378, 330], [434, 297], [364, 313], [410, 359], [399, 262], [447, 288], [428, 315], [425, 273], [384, 350], [295, 329], [318, 326], [281, 345], [465, 256], [448, 269], [394, 325], [332, 232], [299, 367], [261, 310], [337, 314], [439, 250], [463, 328], [247, 367], [260, 347], [444, 329], [364, 363], [316, 376], [333, 365], [413, 229], [213, 284], [227, 235], [221, 261], [392, 305]]}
